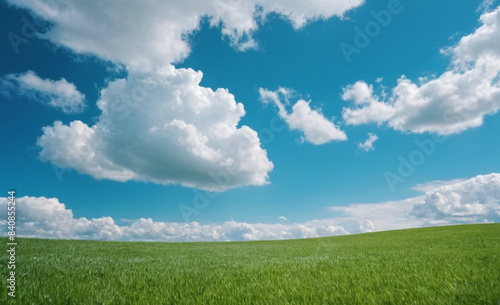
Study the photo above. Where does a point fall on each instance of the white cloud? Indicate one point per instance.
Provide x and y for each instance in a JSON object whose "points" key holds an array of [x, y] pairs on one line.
{"points": [[163, 128], [475, 200], [455, 101], [368, 144], [59, 94], [300, 12], [144, 35], [42, 217], [315, 127], [485, 6], [282, 218], [368, 217], [366, 225], [360, 93], [476, 197], [48, 218], [433, 185], [369, 108]]}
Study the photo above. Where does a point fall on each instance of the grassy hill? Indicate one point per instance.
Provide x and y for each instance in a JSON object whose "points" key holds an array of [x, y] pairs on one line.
{"points": [[442, 265]]}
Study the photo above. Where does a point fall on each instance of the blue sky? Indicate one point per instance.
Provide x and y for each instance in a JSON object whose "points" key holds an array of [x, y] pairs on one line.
{"points": [[241, 121]]}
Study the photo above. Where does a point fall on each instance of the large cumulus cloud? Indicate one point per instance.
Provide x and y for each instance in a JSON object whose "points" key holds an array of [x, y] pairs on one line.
{"points": [[164, 128]]}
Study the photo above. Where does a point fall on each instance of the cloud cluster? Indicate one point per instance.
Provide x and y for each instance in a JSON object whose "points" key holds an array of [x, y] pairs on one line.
{"points": [[164, 128], [454, 101], [59, 94], [367, 145], [478, 197], [158, 124], [42, 217], [144, 35], [474, 200], [316, 128]]}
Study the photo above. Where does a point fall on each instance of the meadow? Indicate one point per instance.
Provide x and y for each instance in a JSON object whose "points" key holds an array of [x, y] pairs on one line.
{"points": [[439, 265]]}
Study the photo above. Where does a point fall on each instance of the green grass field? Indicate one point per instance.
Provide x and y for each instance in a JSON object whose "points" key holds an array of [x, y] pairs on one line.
{"points": [[443, 265]]}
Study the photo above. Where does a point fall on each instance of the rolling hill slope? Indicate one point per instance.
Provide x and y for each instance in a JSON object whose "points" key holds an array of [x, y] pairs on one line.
{"points": [[440, 265]]}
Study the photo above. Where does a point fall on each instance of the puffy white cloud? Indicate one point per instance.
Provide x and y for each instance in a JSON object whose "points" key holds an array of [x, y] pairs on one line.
{"points": [[455, 101], [368, 144], [315, 127], [147, 229], [476, 197], [473, 200], [59, 94], [360, 93], [42, 217], [144, 35], [370, 109], [164, 128]]}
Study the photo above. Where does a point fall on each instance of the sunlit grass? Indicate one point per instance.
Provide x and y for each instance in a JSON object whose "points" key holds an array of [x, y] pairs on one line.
{"points": [[444, 265]]}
